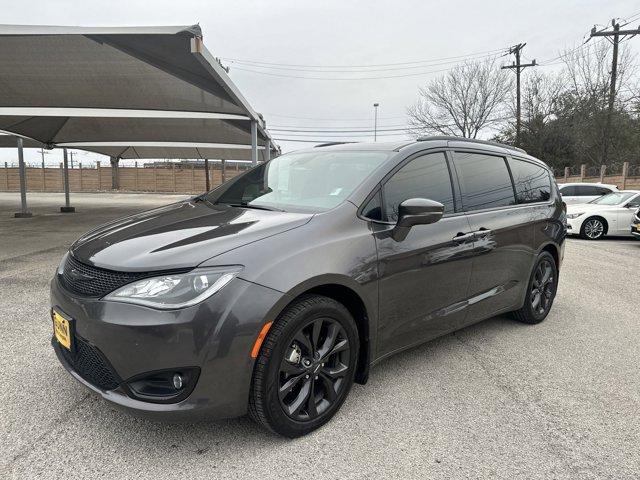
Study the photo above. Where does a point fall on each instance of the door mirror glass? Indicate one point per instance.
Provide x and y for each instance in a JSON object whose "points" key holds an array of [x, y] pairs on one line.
{"points": [[419, 211]]}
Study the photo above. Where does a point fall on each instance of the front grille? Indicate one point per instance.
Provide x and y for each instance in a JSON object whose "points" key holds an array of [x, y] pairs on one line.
{"points": [[91, 281], [90, 364]]}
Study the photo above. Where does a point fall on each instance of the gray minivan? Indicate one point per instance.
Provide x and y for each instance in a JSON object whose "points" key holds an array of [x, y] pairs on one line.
{"points": [[271, 294]]}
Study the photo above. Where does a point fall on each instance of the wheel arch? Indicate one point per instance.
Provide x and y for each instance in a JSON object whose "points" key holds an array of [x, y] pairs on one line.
{"points": [[554, 251], [348, 293]]}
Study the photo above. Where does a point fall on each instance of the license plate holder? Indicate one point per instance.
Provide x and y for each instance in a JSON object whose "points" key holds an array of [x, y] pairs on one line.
{"points": [[62, 329]]}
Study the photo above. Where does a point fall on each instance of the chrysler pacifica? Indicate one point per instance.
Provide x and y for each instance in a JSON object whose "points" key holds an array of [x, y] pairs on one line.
{"points": [[276, 291]]}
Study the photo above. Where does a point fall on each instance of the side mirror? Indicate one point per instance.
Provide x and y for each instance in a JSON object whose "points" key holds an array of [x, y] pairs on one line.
{"points": [[416, 211], [633, 205]]}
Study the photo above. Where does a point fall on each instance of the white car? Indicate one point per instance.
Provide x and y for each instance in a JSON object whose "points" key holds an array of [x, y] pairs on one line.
{"points": [[573, 193], [611, 214]]}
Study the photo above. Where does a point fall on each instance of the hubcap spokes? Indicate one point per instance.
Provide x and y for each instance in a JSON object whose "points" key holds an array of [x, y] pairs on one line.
{"points": [[309, 385], [543, 288], [593, 228]]}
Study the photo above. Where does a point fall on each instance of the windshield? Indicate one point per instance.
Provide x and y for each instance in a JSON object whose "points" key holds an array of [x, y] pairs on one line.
{"points": [[614, 198], [305, 181]]}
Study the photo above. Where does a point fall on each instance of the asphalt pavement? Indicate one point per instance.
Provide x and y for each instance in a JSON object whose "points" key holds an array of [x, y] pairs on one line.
{"points": [[496, 400]]}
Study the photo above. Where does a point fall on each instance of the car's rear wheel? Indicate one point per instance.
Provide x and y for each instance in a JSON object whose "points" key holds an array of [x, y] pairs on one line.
{"points": [[541, 290], [593, 228], [305, 367]]}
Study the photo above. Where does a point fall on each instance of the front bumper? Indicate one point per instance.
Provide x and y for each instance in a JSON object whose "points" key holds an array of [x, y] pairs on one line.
{"points": [[574, 225], [216, 336]]}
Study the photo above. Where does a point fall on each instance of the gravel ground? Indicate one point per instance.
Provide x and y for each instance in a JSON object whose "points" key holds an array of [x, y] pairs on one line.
{"points": [[495, 400]]}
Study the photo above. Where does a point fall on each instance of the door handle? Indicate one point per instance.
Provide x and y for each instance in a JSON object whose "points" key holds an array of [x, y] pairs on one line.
{"points": [[463, 237], [483, 232]]}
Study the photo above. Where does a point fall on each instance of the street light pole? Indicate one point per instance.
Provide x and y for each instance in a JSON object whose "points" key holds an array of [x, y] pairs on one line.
{"points": [[375, 122]]}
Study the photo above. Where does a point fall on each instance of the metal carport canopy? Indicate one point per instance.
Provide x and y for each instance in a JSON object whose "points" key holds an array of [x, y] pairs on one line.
{"points": [[126, 92], [111, 90]]}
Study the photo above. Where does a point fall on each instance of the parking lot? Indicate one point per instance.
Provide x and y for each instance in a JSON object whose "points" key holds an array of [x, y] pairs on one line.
{"points": [[495, 400]]}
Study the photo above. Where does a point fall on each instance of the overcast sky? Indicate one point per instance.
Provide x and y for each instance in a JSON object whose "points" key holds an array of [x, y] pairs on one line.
{"points": [[340, 33]]}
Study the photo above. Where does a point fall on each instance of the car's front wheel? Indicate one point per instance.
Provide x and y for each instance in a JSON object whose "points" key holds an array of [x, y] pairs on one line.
{"points": [[593, 228], [305, 367]]}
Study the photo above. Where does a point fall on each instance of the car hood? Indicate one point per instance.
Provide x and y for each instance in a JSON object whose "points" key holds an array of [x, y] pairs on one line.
{"points": [[179, 235]]}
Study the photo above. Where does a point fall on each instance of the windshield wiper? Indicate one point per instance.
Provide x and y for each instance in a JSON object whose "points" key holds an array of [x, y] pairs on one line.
{"points": [[257, 207]]}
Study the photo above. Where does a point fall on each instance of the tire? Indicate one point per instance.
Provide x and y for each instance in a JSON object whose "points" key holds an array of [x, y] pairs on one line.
{"points": [[296, 359], [533, 311], [593, 228]]}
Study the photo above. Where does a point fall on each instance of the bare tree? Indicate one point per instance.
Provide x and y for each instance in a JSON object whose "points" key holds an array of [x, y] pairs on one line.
{"points": [[467, 99]]}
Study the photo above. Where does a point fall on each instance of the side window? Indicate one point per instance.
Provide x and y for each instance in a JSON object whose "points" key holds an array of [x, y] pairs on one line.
{"points": [[532, 181], [568, 191], [602, 190], [423, 177], [586, 191], [485, 181], [373, 208]]}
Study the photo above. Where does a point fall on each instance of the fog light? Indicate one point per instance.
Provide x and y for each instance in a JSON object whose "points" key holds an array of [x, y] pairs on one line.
{"points": [[163, 386], [177, 381]]}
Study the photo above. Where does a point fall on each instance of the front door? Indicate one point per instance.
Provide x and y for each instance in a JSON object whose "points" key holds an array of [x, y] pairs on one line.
{"points": [[423, 278]]}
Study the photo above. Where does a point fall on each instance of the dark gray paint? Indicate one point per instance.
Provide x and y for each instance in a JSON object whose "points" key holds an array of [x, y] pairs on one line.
{"points": [[438, 279]]}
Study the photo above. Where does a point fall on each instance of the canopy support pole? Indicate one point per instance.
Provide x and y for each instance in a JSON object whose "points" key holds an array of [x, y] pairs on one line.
{"points": [[114, 172], [267, 150], [206, 175], [223, 172], [254, 142], [67, 202], [23, 213]]}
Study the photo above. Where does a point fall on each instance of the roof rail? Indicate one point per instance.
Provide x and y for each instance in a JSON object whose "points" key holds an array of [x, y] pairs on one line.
{"points": [[328, 144], [470, 140]]}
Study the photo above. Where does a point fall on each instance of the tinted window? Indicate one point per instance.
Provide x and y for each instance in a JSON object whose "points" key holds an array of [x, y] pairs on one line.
{"points": [[532, 181], [602, 190], [587, 191], [373, 208], [424, 177], [568, 191], [485, 181]]}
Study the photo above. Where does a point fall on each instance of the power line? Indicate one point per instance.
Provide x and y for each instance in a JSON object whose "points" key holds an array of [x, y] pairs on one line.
{"points": [[360, 66], [320, 128], [404, 129], [310, 134], [312, 141], [282, 75], [254, 65]]}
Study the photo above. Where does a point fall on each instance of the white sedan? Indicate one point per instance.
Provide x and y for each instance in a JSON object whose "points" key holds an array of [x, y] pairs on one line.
{"points": [[610, 214]]}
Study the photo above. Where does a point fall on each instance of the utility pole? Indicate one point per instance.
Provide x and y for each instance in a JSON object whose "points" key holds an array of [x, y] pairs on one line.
{"points": [[615, 33], [518, 67]]}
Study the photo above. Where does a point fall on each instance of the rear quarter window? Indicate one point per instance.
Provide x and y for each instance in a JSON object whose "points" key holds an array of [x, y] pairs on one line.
{"points": [[532, 182]]}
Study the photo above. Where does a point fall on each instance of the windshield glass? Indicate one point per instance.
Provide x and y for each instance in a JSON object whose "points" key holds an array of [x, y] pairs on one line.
{"points": [[614, 198], [305, 181]]}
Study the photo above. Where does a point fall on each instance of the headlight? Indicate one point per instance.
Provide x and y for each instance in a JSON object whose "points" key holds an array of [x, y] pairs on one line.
{"points": [[574, 215], [176, 291]]}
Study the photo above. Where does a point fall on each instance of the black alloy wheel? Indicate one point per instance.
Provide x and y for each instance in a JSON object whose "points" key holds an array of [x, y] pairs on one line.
{"points": [[305, 368], [313, 369], [541, 290]]}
